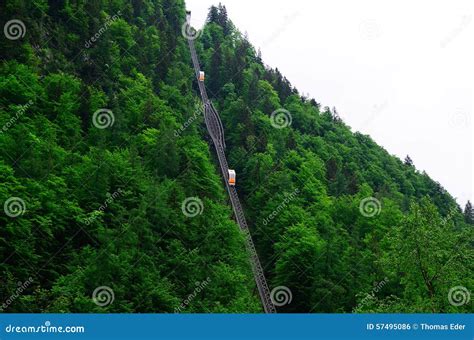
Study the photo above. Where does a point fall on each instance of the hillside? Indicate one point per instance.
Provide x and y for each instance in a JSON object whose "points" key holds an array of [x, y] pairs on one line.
{"points": [[111, 191]]}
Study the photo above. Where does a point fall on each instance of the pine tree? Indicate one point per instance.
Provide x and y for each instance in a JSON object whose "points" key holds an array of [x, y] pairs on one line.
{"points": [[259, 56], [408, 161], [223, 19], [469, 213], [335, 114], [213, 15]]}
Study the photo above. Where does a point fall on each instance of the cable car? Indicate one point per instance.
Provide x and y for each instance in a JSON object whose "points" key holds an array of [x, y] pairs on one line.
{"points": [[201, 76], [231, 177]]}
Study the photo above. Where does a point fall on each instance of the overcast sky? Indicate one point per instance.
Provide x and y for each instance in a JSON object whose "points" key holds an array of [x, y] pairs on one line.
{"points": [[401, 72]]}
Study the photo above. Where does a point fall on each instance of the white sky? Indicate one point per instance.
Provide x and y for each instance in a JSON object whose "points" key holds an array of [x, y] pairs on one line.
{"points": [[399, 71]]}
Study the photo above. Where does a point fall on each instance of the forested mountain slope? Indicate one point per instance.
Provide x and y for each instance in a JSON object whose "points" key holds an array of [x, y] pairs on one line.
{"points": [[336, 218], [104, 152], [140, 169]]}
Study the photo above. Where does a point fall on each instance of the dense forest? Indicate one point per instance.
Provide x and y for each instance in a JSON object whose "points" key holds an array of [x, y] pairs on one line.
{"points": [[113, 201]]}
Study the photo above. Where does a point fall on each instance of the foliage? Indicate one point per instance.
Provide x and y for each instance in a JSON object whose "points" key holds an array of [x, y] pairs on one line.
{"points": [[103, 206]]}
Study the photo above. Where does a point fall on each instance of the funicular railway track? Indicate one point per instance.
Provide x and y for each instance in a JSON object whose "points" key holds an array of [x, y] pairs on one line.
{"points": [[216, 131]]}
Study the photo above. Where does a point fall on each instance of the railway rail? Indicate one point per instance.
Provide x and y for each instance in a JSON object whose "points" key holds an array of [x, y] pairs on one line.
{"points": [[216, 131]]}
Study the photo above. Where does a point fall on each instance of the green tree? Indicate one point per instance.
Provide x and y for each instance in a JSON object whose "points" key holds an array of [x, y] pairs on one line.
{"points": [[469, 213], [427, 258]]}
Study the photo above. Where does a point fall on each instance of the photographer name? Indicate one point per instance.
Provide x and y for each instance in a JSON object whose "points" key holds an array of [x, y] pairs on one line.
{"points": [[435, 327]]}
